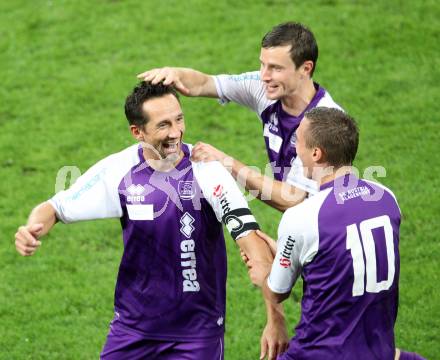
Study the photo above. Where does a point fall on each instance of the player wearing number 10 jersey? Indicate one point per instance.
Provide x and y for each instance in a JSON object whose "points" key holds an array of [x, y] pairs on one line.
{"points": [[344, 242], [346, 248]]}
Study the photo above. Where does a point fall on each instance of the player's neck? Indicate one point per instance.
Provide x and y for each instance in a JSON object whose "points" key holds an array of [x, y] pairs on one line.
{"points": [[327, 174], [162, 165], [295, 103]]}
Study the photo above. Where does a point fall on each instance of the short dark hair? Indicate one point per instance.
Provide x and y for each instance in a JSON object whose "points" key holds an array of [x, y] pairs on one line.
{"points": [[335, 132], [141, 93], [302, 42]]}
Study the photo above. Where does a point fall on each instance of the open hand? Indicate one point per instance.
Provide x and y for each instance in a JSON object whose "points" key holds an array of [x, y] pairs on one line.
{"points": [[166, 75]]}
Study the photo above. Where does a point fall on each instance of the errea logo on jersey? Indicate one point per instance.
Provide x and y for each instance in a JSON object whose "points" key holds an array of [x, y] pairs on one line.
{"points": [[187, 228], [287, 252], [135, 192], [188, 255]]}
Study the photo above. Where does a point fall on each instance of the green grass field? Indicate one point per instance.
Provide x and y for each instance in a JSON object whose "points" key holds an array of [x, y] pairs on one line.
{"points": [[65, 69]]}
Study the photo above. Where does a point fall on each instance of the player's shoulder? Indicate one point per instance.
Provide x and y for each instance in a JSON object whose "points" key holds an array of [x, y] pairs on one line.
{"points": [[114, 166], [377, 185], [123, 158], [327, 101], [210, 171], [246, 76], [312, 203], [301, 216], [205, 167], [131, 152]]}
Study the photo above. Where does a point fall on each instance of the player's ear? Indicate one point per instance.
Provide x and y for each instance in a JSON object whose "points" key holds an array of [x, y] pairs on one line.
{"points": [[318, 155], [307, 67], [136, 132]]}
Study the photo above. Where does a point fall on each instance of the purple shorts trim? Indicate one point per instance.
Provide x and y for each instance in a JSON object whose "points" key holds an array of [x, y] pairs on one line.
{"points": [[125, 345]]}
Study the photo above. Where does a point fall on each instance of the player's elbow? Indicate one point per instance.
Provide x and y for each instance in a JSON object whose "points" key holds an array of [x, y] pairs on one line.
{"points": [[282, 204], [273, 297], [281, 297], [285, 196]]}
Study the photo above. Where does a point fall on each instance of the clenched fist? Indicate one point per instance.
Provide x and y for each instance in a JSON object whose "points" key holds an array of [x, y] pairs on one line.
{"points": [[26, 239]]}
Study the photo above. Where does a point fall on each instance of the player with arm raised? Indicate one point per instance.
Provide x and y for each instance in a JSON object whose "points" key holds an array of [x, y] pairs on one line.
{"points": [[280, 93], [344, 242], [171, 288]]}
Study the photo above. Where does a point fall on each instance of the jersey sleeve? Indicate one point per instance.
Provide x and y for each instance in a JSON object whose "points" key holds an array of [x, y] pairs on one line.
{"points": [[298, 242], [225, 198], [94, 195], [286, 266], [245, 89]]}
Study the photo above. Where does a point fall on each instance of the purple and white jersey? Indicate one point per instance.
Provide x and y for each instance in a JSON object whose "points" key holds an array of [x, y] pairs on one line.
{"points": [[344, 241], [279, 127], [172, 277]]}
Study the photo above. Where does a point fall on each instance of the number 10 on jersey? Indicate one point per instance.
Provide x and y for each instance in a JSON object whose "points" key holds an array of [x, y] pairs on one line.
{"points": [[363, 238]]}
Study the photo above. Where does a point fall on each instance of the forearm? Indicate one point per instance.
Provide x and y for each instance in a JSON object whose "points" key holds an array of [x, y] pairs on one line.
{"points": [[272, 298], [274, 311], [255, 248], [198, 83], [43, 214], [277, 194]]}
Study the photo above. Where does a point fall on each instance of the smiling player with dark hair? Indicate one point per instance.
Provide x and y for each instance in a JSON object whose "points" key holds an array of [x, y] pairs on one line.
{"points": [[280, 93], [171, 288]]}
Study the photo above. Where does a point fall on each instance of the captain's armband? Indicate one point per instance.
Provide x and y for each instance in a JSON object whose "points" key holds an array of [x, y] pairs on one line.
{"points": [[239, 222]]}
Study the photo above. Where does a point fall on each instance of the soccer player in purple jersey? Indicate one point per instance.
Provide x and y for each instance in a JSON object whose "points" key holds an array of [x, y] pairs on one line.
{"points": [[171, 288], [344, 242], [280, 93]]}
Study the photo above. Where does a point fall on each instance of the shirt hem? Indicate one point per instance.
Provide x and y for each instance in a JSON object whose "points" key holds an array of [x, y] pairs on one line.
{"points": [[169, 336]]}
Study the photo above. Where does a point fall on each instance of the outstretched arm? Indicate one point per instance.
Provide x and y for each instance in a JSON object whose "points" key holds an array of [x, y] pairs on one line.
{"points": [[274, 339], [187, 81], [41, 220], [277, 194]]}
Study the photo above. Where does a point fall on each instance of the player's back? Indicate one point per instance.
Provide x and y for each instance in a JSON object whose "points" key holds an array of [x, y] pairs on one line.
{"points": [[350, 271]]}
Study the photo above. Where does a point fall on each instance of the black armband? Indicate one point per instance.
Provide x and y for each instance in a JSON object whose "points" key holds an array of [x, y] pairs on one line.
{"points": [[238, 221]]}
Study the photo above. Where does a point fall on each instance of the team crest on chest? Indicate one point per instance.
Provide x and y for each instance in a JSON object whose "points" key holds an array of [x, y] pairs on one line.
{"points": [[186, 190]]}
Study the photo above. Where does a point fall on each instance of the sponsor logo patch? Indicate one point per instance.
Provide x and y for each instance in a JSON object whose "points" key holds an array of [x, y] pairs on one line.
{"points": [[224, 203], [140, 211], [285, 263], [218, 190], [188, 255], [287, 252], [187, 227], [135, 192]]}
